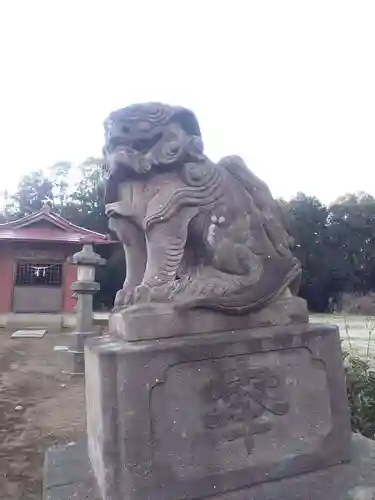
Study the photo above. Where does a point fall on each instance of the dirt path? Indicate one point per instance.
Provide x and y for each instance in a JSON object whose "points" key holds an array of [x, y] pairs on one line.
{"points": [[39, 406]]}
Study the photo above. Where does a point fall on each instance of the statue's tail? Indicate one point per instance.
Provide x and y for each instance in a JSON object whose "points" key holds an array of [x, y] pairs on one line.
{"points": [[278, 274]]}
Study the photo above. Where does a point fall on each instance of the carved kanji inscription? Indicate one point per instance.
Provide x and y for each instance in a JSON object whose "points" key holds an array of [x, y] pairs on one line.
{"points": [[242, 402]]}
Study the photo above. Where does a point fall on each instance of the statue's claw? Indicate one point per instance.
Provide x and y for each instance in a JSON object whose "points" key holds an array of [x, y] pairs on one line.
{"points": [[124, 298], [141, 294], [146, 293]]}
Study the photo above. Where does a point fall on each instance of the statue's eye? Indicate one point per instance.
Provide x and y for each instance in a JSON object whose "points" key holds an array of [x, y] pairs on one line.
{"points": [[125, 129]]}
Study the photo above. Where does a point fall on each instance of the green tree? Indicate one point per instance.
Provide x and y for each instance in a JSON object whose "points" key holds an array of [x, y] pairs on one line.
{"points": [[85, 204], [308, 226], [75, 192], [336, 246], [60, 174], [352, 234], [32, 191]]}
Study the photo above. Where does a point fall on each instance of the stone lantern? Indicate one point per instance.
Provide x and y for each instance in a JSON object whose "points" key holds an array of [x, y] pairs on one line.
{"points": [[84, 289]]}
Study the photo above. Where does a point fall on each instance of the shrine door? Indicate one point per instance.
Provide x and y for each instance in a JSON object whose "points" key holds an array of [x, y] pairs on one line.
{"points": [[38, 287]]}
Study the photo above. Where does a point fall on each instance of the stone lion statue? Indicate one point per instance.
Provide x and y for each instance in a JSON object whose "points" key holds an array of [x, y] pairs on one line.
{"points": [[196, 234]]}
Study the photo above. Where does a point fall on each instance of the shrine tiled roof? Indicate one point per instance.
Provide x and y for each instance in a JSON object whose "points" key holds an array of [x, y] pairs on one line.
{"points": [[46, 225]]}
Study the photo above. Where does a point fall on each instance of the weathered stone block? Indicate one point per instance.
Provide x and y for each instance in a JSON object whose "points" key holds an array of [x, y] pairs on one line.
{"points": [[354, 480], [67, 473], [196, 416]]}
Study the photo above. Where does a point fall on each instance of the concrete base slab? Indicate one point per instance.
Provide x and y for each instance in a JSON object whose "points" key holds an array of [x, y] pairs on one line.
{"points": [[67, 475], [33, 334]]}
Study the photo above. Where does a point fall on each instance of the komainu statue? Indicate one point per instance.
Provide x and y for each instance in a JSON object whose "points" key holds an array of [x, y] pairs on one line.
{"points": [[196, 234]]}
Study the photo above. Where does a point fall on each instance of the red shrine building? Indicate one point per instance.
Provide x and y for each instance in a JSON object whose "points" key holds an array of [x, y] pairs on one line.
{"points": [[35, 277]]}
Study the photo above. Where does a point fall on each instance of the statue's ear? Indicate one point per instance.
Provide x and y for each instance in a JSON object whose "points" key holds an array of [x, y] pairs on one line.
{"points": [[188, 121]]}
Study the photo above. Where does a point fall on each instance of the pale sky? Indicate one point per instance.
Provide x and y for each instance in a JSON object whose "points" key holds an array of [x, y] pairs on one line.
{"points": [[287, 84]]}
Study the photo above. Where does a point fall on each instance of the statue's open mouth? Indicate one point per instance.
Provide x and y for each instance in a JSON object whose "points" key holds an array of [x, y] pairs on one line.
{"points": [[130, 159], [116, 143], [120, 155]]}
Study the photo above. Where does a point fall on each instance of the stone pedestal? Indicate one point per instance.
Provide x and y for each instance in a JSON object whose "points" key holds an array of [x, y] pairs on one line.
{"points": [[211, 415]]}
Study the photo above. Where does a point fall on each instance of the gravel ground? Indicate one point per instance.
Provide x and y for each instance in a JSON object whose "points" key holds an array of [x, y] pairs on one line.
{"points": [[39, 406]]}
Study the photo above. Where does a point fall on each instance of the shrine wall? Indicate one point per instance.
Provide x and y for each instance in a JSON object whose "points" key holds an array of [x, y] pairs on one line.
{"points": [[6, 277]]}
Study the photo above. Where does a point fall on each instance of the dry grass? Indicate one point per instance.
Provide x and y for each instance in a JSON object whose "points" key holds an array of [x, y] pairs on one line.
{"points": [[357, 332]]}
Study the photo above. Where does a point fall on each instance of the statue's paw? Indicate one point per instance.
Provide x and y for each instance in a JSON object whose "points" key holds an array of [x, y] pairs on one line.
{"points": [[161, 293], [146, 293], [128, 297], [142, 294], [124, 298], [119, 299]]}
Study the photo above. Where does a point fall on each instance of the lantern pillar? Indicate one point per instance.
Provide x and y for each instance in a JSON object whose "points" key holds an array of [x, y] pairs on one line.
{"points": [[84, 290]]}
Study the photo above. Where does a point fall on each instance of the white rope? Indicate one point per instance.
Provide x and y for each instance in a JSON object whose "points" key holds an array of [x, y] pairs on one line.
{"points": [[41, 270]]}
